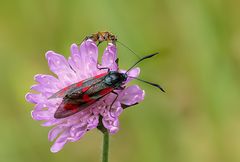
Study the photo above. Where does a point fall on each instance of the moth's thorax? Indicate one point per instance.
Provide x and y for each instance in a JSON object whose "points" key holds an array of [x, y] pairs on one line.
{"points": [[115, 79]]}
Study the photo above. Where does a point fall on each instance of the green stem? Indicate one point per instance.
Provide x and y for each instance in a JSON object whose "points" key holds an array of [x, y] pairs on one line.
{"points": [[105, 147]]}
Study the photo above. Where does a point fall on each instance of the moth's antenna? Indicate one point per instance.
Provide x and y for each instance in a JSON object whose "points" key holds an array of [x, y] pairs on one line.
{"points": [[128, 48], [145, 57], [150, 83]]}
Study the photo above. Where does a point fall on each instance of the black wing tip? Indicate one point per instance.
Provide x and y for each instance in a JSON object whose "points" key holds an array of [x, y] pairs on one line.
{"points": [[57, 116]]}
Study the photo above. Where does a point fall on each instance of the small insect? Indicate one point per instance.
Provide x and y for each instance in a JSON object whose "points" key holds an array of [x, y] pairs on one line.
{"points": [[80, 95], [100, 37]]}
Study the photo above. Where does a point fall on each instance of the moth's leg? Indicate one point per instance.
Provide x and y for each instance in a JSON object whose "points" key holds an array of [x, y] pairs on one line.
{"points": [[126, 106], [117, 60], [102, 68], [113, 103], [121, 88]]}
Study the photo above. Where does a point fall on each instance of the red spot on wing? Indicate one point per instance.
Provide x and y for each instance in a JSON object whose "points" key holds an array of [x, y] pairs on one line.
{"points": [[105, 91], [79, 84], [100, 75], [66, 109], [70, 106], [85, 89], [86, 98], [62, 92]]}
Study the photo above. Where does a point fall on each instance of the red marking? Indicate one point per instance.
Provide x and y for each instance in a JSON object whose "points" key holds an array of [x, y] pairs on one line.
{"points": [[79, 84], [70, 106], [105, 91], [85, 89], [75, 110], [100, 75], [86, 98], [63, 91]]}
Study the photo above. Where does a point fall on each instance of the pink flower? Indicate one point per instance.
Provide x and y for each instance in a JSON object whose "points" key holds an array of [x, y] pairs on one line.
{"points": [[82, 64]]}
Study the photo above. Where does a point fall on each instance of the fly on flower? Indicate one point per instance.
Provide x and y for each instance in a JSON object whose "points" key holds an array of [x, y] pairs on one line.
{"points": [[80, 95]]}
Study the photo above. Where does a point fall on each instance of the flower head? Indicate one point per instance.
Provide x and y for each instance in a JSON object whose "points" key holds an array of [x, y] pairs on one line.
{"points": [[82, 64]]}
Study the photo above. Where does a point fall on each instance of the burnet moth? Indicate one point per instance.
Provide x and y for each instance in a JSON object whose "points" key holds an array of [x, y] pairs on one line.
{"points": [[80, 95]]}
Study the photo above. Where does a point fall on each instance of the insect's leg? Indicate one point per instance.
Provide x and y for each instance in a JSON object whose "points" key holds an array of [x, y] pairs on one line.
{"points": [[102, 68], [117, 60], [113, 103], [86, 38], [120, 88], [99, 43]]}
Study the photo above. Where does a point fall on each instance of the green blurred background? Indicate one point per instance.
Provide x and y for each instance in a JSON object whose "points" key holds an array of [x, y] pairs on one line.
{"points": [[197, 120]]}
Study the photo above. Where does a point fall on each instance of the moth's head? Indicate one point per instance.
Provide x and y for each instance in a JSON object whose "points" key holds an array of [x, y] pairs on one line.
{"points": [[115, 79]]}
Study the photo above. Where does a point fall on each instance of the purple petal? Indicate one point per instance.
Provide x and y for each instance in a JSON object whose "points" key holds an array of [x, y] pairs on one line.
{"points": [[131, 95], [35, 98], [51, 122], [76, 138], [109, 57], [59, 65], [89, 56], [99, 108], [41, 115], [75, 61], [47, 92], [116, 109], [111, 125], [133, 73], [113, 130], [78, 129], [92, 122], [38, 88], [54, 132], [40, 106], [49, 82], [60, 142]]}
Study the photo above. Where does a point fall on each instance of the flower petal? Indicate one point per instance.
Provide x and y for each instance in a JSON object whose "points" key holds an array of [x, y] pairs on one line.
{"points": [[111, 125], [116, 109], [89, 55], [42, 89], [41, 115], [35, 98], [92, 122], [59, 65], [54, 132], [49, 82], [51, 122], [133, 73], [75, 61], [109, 57], [60, 142], [131, 95], [77, 130]]}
